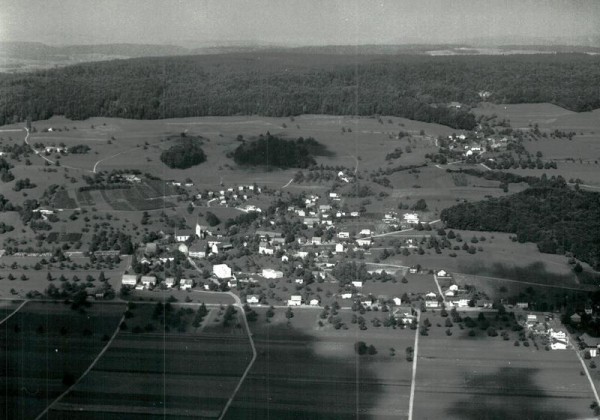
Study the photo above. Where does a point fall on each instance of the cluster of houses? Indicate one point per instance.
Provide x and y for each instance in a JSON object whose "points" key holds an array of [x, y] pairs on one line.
{"points": [[233, 195], [537, 324], [474, 147]]}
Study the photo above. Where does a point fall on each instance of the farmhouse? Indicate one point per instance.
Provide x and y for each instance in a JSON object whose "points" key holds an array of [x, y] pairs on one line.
{"points": [[185, 284], [364, 241], [222, 271], [270, 273], [197, 250], [265, 249], [295, 300], [129, 280], [411, 218]]}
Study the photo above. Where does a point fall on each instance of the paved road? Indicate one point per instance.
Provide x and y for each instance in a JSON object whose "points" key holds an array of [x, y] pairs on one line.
{"points": [[414, 369]]}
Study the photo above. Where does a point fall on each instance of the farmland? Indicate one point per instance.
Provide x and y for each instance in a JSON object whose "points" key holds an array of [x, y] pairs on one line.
{"points": [[45, 348], [151, 373], [462, 377]]}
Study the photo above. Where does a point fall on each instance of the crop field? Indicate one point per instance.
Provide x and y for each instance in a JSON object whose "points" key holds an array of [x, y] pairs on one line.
{"points": [[63, 200], [160, 374], [462, 377], [329, 381], [45, 348]]}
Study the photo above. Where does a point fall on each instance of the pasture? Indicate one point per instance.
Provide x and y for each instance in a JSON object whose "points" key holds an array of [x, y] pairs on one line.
{"points": [[462, 377], [45, 348]]}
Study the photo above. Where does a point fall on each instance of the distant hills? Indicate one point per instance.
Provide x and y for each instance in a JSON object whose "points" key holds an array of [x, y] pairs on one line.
{"points": [[18, 57]]}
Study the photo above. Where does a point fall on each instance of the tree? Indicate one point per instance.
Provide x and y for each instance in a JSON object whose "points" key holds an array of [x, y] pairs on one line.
{"points": [[289, 314], [360, 347], [421, 205]]}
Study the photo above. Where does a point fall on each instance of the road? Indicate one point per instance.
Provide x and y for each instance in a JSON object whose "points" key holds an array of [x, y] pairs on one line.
{"points": [[585, 368], [437, 283], [13, 312], [289, 182], [44, 157], [414, 369]]}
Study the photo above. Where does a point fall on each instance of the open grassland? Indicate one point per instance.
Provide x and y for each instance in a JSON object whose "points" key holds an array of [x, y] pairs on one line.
{"points": [[161, 374], [45, 348], [462, 377], [304, 371]]}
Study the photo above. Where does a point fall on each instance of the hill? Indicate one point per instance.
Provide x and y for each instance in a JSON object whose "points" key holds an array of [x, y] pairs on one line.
{"points": [[282, 84]]}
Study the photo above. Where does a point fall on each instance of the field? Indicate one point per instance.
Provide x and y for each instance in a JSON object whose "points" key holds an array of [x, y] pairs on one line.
{"points": [[461, 377], [47, 346], [304, 371], [161, 374]]}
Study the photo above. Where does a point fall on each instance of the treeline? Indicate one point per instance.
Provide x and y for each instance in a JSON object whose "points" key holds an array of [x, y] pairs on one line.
{"points": [[558, 219], [185, 154], [270, 150], [284, 84], [511, 178]]}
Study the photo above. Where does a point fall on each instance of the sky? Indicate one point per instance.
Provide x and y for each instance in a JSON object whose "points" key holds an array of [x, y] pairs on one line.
{"points": [[297, 22]]}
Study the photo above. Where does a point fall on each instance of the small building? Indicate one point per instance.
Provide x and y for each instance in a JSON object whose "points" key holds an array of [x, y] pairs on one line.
{"points": [[183, 248], [346, 295], [575, 318], [315, 240], [222, 271], [299, 281], [170, 282], [365, 232], [252, 299], [151, 249], [265, 249], [314, 302], [343, 235], [270, 273], [442, 273], [358, 284], [185, 284], [364, 241], [411, 218], [183, 235], [339, 248], [397, 301], [295, 300], [129, 280]]}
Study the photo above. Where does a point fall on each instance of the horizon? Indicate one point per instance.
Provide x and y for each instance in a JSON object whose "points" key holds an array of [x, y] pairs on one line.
{"points": [[205, 23]]}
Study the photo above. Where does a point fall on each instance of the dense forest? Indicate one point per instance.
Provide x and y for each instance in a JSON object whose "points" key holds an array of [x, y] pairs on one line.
{"points": [[269, 150], [284, 84], [557, 218], [185, 154]]}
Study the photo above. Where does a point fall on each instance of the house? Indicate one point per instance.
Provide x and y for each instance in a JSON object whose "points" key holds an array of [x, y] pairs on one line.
{"points": [[339, 248], [270, 273], [364, 241], [265, 249], [314, 302], [252, 299], [442, 273], [151, 249], [449, 293], [129, 280], [148, 281], [366, 232], [185, 284], [575, 318], [397, 301], [183, 235], [354, 214], [267, 234], [411, 218], [430, 303], [285, 258], [413, 270], [346, 295], [183, 248], [357, 284], [301, 254], [170, 282], [333, 195], [522, 305], [315, 240], [299, 281], [324, 207], [343, 235], [295, 300], [222, 271], [309, 221], [197, 250]]}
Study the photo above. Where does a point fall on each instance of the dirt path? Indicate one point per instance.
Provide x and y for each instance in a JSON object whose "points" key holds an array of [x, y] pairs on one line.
{"points": [[90, 367], [13, 312]]}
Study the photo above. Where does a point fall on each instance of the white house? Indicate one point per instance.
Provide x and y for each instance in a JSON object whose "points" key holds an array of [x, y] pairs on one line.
{"points": [[197, 250], [185, 284], [354, 214], [346, 295], [343, 235], [129, 280], [184, 235], [252, 299], [339, 248], [299, 281], [316, 240], [442, 273], [357, 284], [411, 218], [270, 273], [364, 241], [170, 281], [285, 258], [295, 300], [222, 271], [333, 195], [366, 232], [265, 249], [397, 301], [314, 302], [148, 281]]}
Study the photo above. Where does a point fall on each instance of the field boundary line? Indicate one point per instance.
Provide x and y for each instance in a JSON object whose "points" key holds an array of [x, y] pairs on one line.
{"points": [[90, 367], [413, 383], [554, 286], [13, 312], [254, 354]]}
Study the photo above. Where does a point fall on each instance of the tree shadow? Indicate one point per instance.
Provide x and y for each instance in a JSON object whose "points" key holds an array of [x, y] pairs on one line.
{"points": [[509, 393]]}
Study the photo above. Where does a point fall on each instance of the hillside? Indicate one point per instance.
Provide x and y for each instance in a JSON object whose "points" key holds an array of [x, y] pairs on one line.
{"points": [[282, 84]]}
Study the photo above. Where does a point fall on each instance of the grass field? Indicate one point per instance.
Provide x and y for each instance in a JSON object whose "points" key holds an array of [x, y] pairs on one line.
{"points": [[460, 377], [161, 375], [46, 346]]}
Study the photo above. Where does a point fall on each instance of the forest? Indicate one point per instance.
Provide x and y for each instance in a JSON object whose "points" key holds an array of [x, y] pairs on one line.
{"points": [[185, 154], [272, 151], [286, 84], [557, 218]]}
